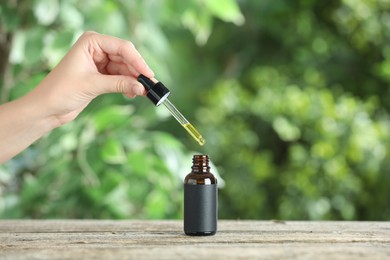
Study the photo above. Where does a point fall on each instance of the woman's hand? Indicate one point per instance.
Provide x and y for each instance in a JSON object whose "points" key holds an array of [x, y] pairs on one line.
{"points": [[96, 64]]}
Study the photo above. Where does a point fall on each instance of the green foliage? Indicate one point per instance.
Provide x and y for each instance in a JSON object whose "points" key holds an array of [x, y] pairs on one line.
{"points": [[324, 156], [291, 97], [302, 116]]}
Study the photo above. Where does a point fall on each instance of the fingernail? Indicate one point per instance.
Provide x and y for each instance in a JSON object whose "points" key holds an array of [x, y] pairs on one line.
{"points": [[139, 90]]}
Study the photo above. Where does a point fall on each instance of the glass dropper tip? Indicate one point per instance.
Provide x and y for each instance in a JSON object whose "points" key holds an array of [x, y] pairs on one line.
{"points": [[201, 141], [194, 133]]}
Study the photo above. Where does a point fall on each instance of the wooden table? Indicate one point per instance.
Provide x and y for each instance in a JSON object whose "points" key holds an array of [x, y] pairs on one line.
{"points": [[109, 239]]}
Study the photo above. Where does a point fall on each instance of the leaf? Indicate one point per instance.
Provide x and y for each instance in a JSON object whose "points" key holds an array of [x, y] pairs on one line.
{"points": [[286, 130], [139, 162], [113, 152], [112, 116], [18, 45], [70, 16], [227, 10], [58, 46], [118, 202], [156, 204], [199, 23], [33, 50], [46, 11]]}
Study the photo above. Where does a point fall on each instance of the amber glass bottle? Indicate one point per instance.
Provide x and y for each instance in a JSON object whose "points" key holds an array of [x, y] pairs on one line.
{"points": [[200, 199]]}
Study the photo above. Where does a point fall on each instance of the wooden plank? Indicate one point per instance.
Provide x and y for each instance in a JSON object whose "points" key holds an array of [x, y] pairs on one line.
{"points": [[74, 239]]}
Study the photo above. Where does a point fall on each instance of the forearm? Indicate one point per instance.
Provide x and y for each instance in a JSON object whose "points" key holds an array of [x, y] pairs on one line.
{"points": [[22, 122]]}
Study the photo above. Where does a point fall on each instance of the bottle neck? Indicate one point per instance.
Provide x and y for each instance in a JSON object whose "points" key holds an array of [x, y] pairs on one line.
{"points": [[200, 164]]}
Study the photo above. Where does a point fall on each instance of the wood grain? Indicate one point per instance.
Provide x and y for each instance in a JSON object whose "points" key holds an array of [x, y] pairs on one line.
{"points": [[109, 239]]}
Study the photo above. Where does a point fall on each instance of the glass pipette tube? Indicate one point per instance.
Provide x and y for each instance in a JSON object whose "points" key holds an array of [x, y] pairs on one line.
{"points": [[184, 122], [158, 93]]}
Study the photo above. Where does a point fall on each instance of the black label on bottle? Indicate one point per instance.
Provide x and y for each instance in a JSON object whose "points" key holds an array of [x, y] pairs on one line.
{"points": [[200, 208]]}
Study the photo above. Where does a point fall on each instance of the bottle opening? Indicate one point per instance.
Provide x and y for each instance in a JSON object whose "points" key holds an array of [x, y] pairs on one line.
{"points": [[200, 163]]}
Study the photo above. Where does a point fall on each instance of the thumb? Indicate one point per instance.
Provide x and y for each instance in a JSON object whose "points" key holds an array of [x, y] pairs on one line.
{"points": [[127, 85]]}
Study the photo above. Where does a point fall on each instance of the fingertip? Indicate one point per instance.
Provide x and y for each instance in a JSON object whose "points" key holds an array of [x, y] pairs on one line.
{"points": [[146, 70], [136, 90], [150, 72], [147, 73], [139, 90]]}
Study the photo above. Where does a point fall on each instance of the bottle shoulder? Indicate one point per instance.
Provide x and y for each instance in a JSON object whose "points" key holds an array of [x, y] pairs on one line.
{"points": [[200, 179]]}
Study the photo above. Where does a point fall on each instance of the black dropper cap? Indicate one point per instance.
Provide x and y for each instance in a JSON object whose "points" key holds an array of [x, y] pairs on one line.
{"points": [[156, 92]]}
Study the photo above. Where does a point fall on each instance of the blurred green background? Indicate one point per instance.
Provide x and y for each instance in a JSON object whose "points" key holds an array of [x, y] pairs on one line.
{"points": [[292, 97]]}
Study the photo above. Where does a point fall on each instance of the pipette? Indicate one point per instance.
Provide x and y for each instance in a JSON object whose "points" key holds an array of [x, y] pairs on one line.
{"points": [[158, 94]]}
